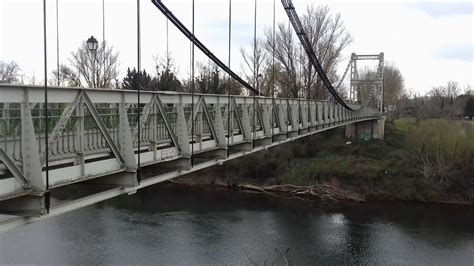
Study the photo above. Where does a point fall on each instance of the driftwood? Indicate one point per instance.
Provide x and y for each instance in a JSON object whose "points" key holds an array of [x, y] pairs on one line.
{"points": [[321, 192], [311, 193]]}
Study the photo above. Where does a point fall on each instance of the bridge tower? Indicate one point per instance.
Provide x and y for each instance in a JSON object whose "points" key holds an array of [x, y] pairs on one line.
{"points": [[373, 85], [375, 82]]}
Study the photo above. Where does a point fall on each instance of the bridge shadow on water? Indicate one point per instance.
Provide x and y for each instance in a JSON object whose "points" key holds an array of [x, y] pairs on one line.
{"points": [[336, 233], [175, 224]]}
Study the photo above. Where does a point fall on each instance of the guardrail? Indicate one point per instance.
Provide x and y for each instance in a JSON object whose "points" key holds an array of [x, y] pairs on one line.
{"points": [[93, 133]]}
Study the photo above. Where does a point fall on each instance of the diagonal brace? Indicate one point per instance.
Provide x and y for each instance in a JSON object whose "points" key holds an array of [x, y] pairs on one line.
{"points": [[103, 129]]}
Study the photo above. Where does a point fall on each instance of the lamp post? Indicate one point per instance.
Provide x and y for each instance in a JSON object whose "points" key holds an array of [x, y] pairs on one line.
{"points": [[92, 45]]}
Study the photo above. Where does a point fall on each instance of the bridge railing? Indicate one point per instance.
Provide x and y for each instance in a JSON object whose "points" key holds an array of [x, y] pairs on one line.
{"points": [[94, 133]]}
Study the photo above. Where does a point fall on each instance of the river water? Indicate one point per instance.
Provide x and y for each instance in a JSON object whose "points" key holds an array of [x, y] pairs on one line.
{"points": [[171, 225]]}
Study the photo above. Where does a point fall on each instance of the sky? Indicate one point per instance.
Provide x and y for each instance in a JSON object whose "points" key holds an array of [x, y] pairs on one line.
{"points": [[430, 42]]}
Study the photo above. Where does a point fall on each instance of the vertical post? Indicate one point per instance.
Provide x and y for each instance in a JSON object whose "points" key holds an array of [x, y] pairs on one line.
{"points": [[282, 116], [103, 21], [255, 71], [192, 91], [80, 129], [230, 131], [29, 148], [200, 125], [182, 131], [319, 107], [138, 90], [57, 43], [273, 70], [46, 118], [246, 122], [125, 134], [326, 114], [219, 126]]}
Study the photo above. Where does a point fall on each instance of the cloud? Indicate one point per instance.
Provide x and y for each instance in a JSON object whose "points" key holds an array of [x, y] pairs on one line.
{"points": [[462, 52], [441, 9]]}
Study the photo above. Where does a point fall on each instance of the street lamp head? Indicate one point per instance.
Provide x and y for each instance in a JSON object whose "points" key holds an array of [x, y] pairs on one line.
{"points": [[260, 78], [92, 44]]}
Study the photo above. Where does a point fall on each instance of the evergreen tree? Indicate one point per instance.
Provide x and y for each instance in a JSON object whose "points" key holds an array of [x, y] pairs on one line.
{"points": [[130, 81], [167, 81]]}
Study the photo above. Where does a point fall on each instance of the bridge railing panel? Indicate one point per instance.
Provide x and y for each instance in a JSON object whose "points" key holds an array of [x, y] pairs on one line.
{"points": [[85, 126]]}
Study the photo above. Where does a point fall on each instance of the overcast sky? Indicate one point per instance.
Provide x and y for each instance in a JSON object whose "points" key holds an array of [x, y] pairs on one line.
{"points": [[431, 42]]}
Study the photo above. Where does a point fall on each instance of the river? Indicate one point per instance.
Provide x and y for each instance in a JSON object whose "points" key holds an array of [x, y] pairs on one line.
{"points": [[169, 225]]}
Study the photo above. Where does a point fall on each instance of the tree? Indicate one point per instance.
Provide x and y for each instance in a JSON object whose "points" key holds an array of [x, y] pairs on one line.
{"points": [[285, 60], [254, 61], [328, 37], [166, 79], [442, 98], [130, 81], [393, 84], [452, 90], [9, 72], [209, 79], [366, 91], [97, 69], [67, 77]]}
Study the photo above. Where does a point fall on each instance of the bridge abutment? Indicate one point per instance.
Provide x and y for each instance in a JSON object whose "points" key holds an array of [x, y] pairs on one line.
{"points": [[365, 130]]}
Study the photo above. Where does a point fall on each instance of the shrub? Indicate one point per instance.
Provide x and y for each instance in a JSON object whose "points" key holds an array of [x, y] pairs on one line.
{"points": [[445, 148]]}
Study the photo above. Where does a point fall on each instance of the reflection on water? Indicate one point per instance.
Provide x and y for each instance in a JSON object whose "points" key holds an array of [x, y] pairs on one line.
{"points": [[173, 225]]}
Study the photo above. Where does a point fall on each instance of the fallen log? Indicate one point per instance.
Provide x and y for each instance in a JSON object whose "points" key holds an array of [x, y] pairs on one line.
{"points": [[320, 192]]}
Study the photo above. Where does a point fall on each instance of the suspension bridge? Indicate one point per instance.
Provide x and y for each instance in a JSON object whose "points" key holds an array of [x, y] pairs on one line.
{"points": [[119, 141]]}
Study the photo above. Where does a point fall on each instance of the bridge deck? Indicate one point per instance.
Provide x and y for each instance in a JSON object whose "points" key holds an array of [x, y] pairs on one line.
{"points": [[94, 137]]}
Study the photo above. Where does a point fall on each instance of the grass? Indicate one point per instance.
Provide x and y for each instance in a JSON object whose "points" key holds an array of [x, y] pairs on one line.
{"points": [[389, 168], [393, 167], [404, 124]]}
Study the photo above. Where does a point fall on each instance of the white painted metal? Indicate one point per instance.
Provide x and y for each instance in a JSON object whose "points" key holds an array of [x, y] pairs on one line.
{"points": [[99, 143]]}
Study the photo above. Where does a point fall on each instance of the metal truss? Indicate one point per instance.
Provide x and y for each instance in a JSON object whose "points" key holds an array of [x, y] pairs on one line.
{"points": [[375, 83], [94, 132]]}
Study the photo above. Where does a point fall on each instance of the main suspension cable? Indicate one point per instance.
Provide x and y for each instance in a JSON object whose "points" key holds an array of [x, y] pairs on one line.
{"points": [[300, 32], [190, 35]]}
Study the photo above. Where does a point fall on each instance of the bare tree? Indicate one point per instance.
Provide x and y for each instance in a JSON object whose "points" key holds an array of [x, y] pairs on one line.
{"points": [[67, 77], [442, 96], [328, 37], [97, 69], [366, 91], [166, 63], [393, 83], [255, 61], [452, 91], [166, 74], [9, 72], [285, 57]]}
